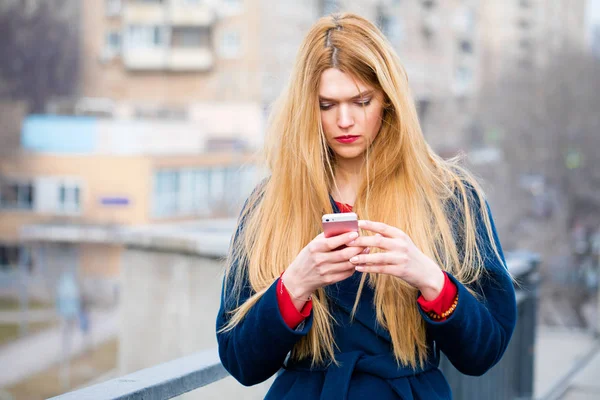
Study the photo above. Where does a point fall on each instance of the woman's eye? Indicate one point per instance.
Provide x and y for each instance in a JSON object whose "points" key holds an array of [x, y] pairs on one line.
{"points": [[364, 102], [325, 106]]}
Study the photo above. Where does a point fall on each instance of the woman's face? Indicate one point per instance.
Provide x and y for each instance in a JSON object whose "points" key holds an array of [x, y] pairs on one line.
{"points": [[351, 113]]}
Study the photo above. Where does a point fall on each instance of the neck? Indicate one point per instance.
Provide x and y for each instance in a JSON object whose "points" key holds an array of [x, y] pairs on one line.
{"points": [[348, 176]]}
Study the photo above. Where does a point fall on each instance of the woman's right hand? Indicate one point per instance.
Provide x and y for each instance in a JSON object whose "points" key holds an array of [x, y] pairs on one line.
{"points": [[320, 264]]}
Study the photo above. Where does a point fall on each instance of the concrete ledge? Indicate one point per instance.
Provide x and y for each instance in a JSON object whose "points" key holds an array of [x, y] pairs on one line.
{"points": [[208, 238], [163, 381]]}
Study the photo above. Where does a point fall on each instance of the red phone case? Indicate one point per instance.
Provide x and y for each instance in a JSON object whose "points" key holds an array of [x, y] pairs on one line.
{"points": [[338, 227]]}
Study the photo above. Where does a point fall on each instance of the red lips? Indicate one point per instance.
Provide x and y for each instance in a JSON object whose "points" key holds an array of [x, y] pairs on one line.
{"points": [[347, 138]]}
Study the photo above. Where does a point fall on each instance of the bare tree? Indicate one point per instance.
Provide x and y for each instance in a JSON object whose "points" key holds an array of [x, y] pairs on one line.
{"points": [[38, 50], [550, 130]]}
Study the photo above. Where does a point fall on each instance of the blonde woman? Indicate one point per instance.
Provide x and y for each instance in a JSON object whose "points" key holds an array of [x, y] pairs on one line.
{"points": [[350, 316]]}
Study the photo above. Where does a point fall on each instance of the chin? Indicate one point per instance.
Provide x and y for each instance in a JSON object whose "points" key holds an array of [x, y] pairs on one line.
{"points": [[349, 154]]}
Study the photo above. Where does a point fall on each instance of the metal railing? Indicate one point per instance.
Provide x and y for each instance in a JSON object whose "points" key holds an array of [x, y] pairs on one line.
{"points": [[513, 376], [511, 379]]}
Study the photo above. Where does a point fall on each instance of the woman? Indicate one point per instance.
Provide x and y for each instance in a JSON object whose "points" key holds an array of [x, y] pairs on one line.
{"points": [[347, 316]]}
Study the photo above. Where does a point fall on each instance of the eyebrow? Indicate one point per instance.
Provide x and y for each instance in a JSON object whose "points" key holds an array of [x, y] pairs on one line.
{"points": [[358, 96]]}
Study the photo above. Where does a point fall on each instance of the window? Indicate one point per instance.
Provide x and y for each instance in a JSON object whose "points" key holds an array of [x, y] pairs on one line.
{"points": [[146, 36], [162, 111], [329, 6], [113, 42], [383, 21], [464, 75], [525, 63], [231, 44], [192, 2], [214, 190], [429, 4], [525, 3], [200, 191], [466, 46], [463, 80], [17, 195], [112, 7], [13, 255], [464, 21], [69, 197], [525, 44], [166, 190], [524, 24], [216, 185], [190, 37], [233, 4]]}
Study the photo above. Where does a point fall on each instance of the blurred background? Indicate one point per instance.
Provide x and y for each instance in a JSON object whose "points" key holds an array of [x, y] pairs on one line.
{"points": [[128, 138]]}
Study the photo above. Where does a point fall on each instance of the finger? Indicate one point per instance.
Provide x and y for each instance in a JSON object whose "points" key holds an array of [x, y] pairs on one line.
{"points": [[334, 242], [344, 254], [377, 269], [381, 228], [377, 241], [340, 267], [341, 276], [375, 258]]}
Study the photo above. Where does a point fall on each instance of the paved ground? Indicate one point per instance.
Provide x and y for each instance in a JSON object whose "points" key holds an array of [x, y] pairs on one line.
{"points": [[567, 365], [37, 352], [585, 385]]}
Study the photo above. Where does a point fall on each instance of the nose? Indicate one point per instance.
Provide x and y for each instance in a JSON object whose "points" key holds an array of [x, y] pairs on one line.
{"points": [[344, 119]]}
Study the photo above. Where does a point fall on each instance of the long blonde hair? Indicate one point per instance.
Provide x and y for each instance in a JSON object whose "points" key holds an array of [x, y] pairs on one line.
{"points": [[405, 185]]}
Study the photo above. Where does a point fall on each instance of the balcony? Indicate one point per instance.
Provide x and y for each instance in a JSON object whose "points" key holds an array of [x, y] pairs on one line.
{"points": [[170, 13], [146, 58], [144, 12], [183, 14], [190, 59], [168, 59]]}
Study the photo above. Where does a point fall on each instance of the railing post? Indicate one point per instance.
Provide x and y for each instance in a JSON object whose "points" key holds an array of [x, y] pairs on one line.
{"points": [[528, 285]]}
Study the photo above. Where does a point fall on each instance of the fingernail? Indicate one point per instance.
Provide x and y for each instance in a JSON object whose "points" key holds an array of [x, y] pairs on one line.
{"points": [[353, 235], [359, 268], [354, 259], [366, 250]]}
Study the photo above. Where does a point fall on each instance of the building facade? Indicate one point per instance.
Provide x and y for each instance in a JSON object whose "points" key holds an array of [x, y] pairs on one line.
{"points": [[77, 175], [524, 35]]}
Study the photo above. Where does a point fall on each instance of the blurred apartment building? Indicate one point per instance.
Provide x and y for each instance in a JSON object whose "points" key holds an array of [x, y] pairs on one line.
{"points": [[172, 98], [160, 131], [524, 35], [81, 180]]}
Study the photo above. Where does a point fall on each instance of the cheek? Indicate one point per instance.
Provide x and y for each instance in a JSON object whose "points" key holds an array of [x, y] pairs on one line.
{"points": [[326, 122], [374, 122]]}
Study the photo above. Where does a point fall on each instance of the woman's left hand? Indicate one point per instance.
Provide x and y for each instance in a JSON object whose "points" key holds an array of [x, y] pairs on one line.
{"points": [[398, 257]]}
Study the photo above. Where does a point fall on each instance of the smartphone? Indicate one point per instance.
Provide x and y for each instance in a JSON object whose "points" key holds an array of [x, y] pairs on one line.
{"points": [[337, 224]]}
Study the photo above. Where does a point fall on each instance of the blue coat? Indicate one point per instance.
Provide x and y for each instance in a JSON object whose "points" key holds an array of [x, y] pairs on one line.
{"points": [[473, 338]]}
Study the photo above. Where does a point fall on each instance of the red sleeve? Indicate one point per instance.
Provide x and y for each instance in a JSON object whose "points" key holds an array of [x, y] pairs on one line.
{"points": [[289, 313], [443, 302]]}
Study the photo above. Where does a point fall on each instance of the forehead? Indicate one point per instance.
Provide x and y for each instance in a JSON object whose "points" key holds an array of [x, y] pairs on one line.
{"points": [[335, 84]]}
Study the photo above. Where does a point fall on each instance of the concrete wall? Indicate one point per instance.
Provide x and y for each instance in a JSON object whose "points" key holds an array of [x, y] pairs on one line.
{"points": [[168, 309]]}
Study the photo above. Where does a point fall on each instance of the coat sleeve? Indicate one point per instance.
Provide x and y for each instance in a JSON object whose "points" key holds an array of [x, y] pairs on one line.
{"points": [[477, 333], [255, 349]]}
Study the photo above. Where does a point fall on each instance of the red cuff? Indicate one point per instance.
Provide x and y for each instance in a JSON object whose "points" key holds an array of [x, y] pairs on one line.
{"points": [[444, 301], [291, 316]]}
